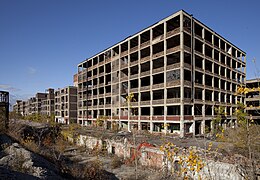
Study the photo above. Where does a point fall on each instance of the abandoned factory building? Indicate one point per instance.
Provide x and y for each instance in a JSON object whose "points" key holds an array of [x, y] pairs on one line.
{"points": [[177, 71]]}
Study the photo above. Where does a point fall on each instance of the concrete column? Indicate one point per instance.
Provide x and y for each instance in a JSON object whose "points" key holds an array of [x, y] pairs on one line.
{"points": [[182, 77], [165, 90]]}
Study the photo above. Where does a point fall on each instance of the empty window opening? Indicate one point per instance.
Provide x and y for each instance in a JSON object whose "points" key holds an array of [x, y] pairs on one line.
{"points": [[95, 113], [94, 81], [233, 52], [208, 95], [108, 68], [216, 69], [208, 51], [101, 90], [108, 78], [216, 96], [101, 69], [95, 101], [198, 30], [158, 30], [115, 51], [208, 110], [108, 112], [101, 80], [234, 64], [124, 46], [145, 36], [158, 111], [157, 63], [159, 47], [208, 65], [216, 41], [94, 72], [187, 40], [173, 93], [208, 36], [108, 89], [222, 45], [134, 70], [89, 74], [198, 46], [187, 92], [173, 42], [173, 110], [198, 77], [198, 93], [216, 82], [134, 42], [124, 72], [134, 83], [228, 86], [228, 97], [158, 78], [145, 111], [216, 55], [223, 85], [173, 23], [187, 110], [95, 61], [197, 109], [108, 100], [198, 61], [222, 71], [222, 96], [145, 67], [107, 55], [145, 96], [134, 57], [187, 75], [186, 22], [124, 87], [223, 58], [208, 80], [158, 94], [89, 63], [187, 58], [145, 81], [173, 58], [173, 75], [101, 102], [145, 52]]}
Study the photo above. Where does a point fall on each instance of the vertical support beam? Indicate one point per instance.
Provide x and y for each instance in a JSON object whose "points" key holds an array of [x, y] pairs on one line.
{"points": [[164, 70], [182, 77]]}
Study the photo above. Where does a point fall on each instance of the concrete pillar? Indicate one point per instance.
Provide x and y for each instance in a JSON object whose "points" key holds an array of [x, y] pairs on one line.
{"points": [[182, 78]]}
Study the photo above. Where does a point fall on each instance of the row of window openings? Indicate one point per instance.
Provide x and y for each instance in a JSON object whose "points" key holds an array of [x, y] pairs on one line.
{"points": [[160, 111]]}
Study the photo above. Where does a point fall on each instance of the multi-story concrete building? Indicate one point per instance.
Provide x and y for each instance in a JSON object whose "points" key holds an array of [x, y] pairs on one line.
{"points": [[66, 105], [253, 99], [19, 107], [48, 103], [178, 70], [42, 103]]}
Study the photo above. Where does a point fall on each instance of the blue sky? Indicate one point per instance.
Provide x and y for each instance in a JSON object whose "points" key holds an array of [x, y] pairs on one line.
{"points": [[42, 41]]}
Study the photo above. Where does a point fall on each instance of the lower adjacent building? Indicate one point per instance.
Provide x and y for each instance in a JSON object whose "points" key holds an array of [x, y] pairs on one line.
{"points": [[41, 103], [253, 99], [66, 105]]}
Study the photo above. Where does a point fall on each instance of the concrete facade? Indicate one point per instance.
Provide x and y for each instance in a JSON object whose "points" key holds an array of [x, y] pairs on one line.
{"points": [[178, 70], [253, 100], [41, 103], [66, 105]]}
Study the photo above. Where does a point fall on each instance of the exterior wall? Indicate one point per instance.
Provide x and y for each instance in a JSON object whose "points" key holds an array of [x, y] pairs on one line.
{"points": [[154, 157], [178, 70], [66, 105], [253, 100]]}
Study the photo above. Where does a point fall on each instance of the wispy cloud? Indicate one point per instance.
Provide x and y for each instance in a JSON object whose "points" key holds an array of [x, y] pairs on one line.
{"points": [[31, 70], [7, 87]]}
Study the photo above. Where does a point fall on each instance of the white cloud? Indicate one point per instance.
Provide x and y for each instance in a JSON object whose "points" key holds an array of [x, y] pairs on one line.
{"points": [[31, 70], [7, 87]]}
